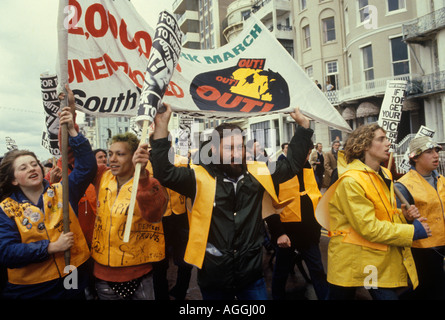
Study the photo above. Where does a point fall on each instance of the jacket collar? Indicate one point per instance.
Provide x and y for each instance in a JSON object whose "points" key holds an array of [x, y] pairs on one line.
{"points": [[20, 197]]}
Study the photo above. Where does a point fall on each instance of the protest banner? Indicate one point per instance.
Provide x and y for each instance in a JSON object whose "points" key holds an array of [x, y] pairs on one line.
{"points": [[110, 44], [391, 109], [184, 141], [51, 105], [250, 76], [108, 47], [423, 131], [163, 59], [11, 144]]}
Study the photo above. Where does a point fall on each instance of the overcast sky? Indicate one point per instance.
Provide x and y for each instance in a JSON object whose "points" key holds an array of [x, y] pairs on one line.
{"points": [[28, 47]]}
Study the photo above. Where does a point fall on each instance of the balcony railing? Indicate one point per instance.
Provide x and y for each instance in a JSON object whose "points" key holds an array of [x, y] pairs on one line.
{"points": [[284, 27], [259, 4], [417, 85], [427, 84], [421, 28], [361, 90]]}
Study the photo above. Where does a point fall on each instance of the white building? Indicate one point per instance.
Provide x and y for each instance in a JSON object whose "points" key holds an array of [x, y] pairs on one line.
{"points": [[356, 45]]}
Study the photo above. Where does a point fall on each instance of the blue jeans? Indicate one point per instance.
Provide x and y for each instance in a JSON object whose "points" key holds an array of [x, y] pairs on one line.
{"points": [[348, 293], [255, 291]]}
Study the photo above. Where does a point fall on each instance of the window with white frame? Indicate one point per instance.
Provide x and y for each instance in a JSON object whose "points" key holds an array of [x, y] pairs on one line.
{"points": [[399, 54], [303, 5], [363, 8], [310, 71], [331, 67], [307, 37], [368, 63], [331, 75], [394, 5], [261, 132], [328, 29]]}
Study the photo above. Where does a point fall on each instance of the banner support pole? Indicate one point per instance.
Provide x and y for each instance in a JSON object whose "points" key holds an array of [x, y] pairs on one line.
{"points": [[137, 173], [390, 161], [62, 33]]}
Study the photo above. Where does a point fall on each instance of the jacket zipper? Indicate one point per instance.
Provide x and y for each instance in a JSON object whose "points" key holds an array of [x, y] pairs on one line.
{"points": [[438, 195], [53, 256], [111, 224]]}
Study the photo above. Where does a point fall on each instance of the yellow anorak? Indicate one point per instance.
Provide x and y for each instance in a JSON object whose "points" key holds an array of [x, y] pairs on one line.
{"points": [[368, 231]]}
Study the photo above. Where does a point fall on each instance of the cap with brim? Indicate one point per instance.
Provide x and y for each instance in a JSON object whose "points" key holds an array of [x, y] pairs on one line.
{"points": [[421, 144]]}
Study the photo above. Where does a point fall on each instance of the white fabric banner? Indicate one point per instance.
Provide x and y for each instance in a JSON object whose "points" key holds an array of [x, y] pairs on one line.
{"points": [[51, 105], [252, 75], [11, 144], [109, 47], [163, 60]]}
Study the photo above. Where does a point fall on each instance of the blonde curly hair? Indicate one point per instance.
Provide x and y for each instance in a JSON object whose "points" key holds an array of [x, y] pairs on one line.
{"points": [[359, 140]]}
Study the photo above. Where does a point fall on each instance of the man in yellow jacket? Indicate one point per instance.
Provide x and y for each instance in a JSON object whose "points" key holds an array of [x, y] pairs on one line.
{"points": [[370, 236], [425, 188]]}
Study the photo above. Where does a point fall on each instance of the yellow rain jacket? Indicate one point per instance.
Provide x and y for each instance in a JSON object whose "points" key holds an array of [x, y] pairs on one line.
{"points": [[430, 204], [368, 231], [146, 243], [35, 225], [177, 202]]}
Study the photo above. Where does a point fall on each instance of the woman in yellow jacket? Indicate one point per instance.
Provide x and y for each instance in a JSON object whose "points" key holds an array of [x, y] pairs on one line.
{"points": [[370, 236]]}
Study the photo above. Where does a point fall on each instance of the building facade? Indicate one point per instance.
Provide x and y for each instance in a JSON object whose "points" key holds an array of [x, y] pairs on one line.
{"points": [[351, 47], [201, 21], [425, 37], [360, 44], [274, 130]]}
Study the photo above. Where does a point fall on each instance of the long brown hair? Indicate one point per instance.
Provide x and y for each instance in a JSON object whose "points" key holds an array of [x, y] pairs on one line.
{"points": [[7, 171], [359, 140]]}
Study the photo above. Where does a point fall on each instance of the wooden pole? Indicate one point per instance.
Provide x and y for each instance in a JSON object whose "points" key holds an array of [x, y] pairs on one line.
{"points": [[62, 35], [65, 183], [65, 189], [390, 161], [152, 95], [137, 173], [401, 197], [397, 191]]}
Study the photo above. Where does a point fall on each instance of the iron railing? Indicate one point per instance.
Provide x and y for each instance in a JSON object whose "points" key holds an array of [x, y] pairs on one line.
{"points": [[441, 169], [427, 84], [420, 28]]}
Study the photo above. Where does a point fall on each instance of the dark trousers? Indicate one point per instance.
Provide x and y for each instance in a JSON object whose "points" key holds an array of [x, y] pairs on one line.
{"points": [[430, 271], [319, 179], [3, 279], [176, 237], [348, 293], [254, 291], [284, 261]]}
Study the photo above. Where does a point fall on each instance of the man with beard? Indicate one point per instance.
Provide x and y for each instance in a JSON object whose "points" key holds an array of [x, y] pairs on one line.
{"points": [[226, 227]]}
